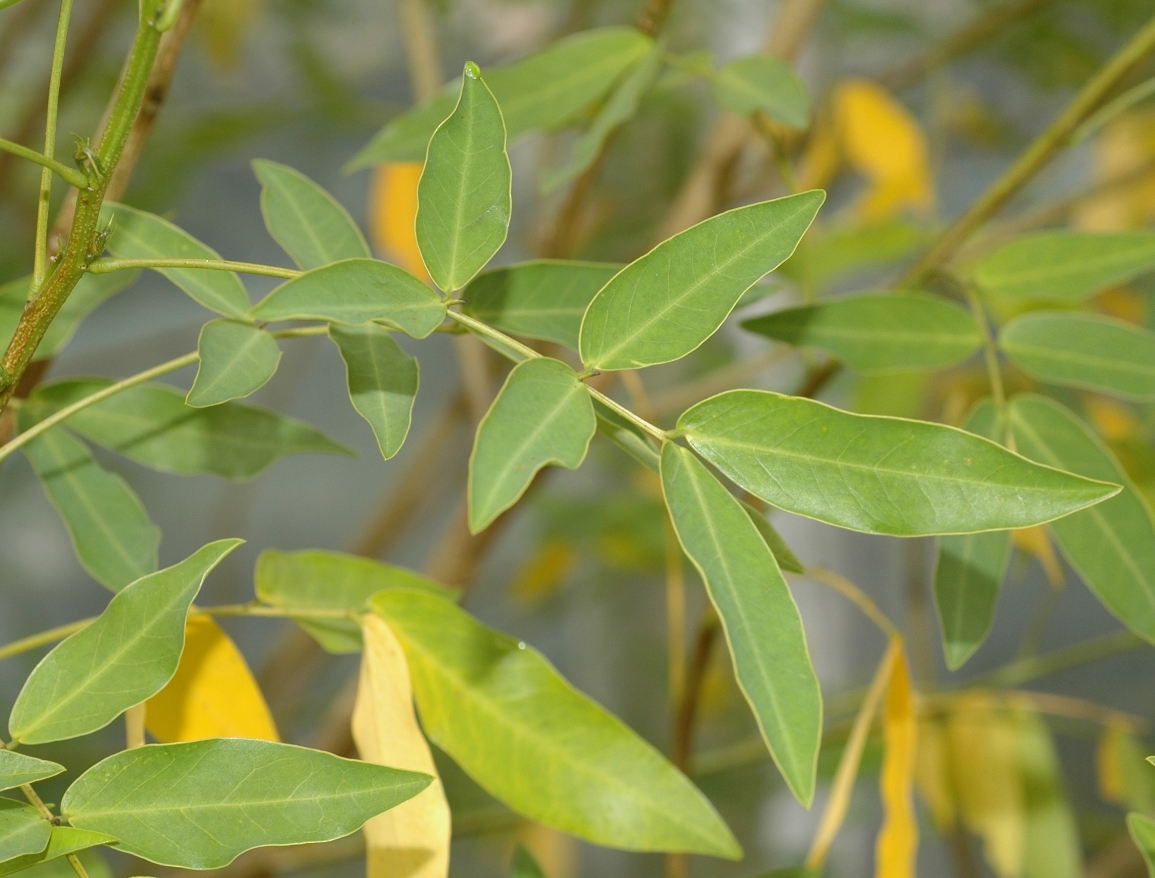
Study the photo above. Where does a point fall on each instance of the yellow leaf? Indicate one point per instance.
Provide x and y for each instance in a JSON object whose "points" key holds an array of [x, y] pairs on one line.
{"points": [[411, 840], [393, 214], [1121, 151], [213, 693], [544, 571], [1112, 787], [1035, 542], [932, 773], [897, 845]]}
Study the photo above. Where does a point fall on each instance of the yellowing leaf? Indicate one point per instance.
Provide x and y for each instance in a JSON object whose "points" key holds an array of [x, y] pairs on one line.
{"points": [[544, 571], [1035, 542], [898, 839], [213, 694], [932, 773], [412, 839], [393, 214], [1122, 149]]}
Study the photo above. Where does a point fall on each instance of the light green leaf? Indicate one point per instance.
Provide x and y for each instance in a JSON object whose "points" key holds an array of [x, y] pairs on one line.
{"points": [[464, 196], [63, 841], [785, 557], [22, 830], [1112, 545], [524, 734], [970, 568], [236, 359], [382, 381], [524, 865], [357, 291], [544, 299], [152, 425], [762, 83], [1052, 848], [665, 304], [761, 621], [1084, 350], [543, 415], [309, 223], [16, 769], [542, 91], [619, 108], [123, 658], [140, 235], [1142, 829], [111, 532], [873, 333], [1065, 266], [877, 474], [199, 805], [317, 580]]}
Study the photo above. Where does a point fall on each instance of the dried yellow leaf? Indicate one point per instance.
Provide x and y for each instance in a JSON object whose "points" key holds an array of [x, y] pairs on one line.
{"points": [[393, 215], [897, 845]]}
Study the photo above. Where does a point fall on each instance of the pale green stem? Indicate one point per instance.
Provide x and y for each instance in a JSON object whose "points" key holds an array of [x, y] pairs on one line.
{"points": [[44, 638], [70, 175], [107, 266]]}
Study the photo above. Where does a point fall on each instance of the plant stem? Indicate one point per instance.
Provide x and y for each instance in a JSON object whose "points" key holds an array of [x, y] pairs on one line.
{"points": [[44, 638], [1034, 667], [71, 176], [253, 609], [479, 328], [107, 265], [40, 255]]}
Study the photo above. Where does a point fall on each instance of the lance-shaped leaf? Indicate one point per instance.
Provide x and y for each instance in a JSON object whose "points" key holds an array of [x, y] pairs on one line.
{"points": [[140, 235], [316, 580], [22, 830], [199, 805], [970, 568], [761, 83], [464, 197], [236, 359], [665, 304], [1142, 830], [16, 769], [1065, 266], [544, 299], [761, 621], [382, 381], [543, 415], [877, 474], [878, 332], [1111, 545], [152, 425], [520, 730], [111, 532], [308, 222], [1084, 350], [124, 657], [357, 291], [64, 840]]}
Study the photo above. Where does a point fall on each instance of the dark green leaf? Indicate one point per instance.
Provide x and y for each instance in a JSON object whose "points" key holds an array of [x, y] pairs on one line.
{"points": [[236, 359], [22, 830], [762, 83], [63, 841], [16, 769], [382, 381]]}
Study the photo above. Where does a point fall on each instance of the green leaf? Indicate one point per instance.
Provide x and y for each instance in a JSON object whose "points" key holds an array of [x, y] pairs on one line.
{"points": [[308, 222], [524, 865], [140, 235], [16, 769], [63, 841], [970, 568], [544, 299], [382, 381], [665, 304], [1065, 266], [543, 415], [22, 830], [152, 425], [878, 332], [114, 539], [877, 474], [786, 558], [236, 359], [1112, 545], [357, 291], [526, 736], [464, 196], [317, 580], [200, 805], [761, 621], [1142, 829], [762, 83], [1084, 350], [542, 91], [1052, 845], [123, 658], [619, 108]]}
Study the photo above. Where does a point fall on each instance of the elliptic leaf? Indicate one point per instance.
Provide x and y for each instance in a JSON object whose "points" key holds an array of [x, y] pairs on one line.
{"points": [[665, 304], [357, 291], [464, 197], [543, 415], [16, 769], [236, 359], [22, 830], [63, 841], [761, 621], [877, 474], [762, 83], [308, 222], [524, 734], [124, 657], [199, 805], [1142, 829], [382, 381], [878, 332]]}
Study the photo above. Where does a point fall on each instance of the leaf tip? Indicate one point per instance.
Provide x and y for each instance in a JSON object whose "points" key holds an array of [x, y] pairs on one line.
{"points": [[472, 70]]}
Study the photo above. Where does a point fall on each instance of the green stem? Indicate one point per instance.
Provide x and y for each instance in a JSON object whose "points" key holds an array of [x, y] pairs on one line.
{"points": [[107, 266], [44, 638], [656, 432], [71, 176]]}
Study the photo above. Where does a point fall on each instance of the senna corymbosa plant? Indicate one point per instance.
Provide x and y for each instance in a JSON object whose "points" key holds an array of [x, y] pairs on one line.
{"points": [[218, 782]]}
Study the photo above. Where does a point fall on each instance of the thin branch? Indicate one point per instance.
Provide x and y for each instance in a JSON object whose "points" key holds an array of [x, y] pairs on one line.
{"points": [[71, 176], [27, 644], [108, 265], [856, 596]]}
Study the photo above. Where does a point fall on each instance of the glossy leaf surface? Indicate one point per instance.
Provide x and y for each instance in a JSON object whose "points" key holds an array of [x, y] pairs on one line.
{"points": [[16, 769], [199, 805], [22, 830], [63, 841], [236, 359], [521, 731], [762, 83], [665, 304], [382, 381], [876, 474]]}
